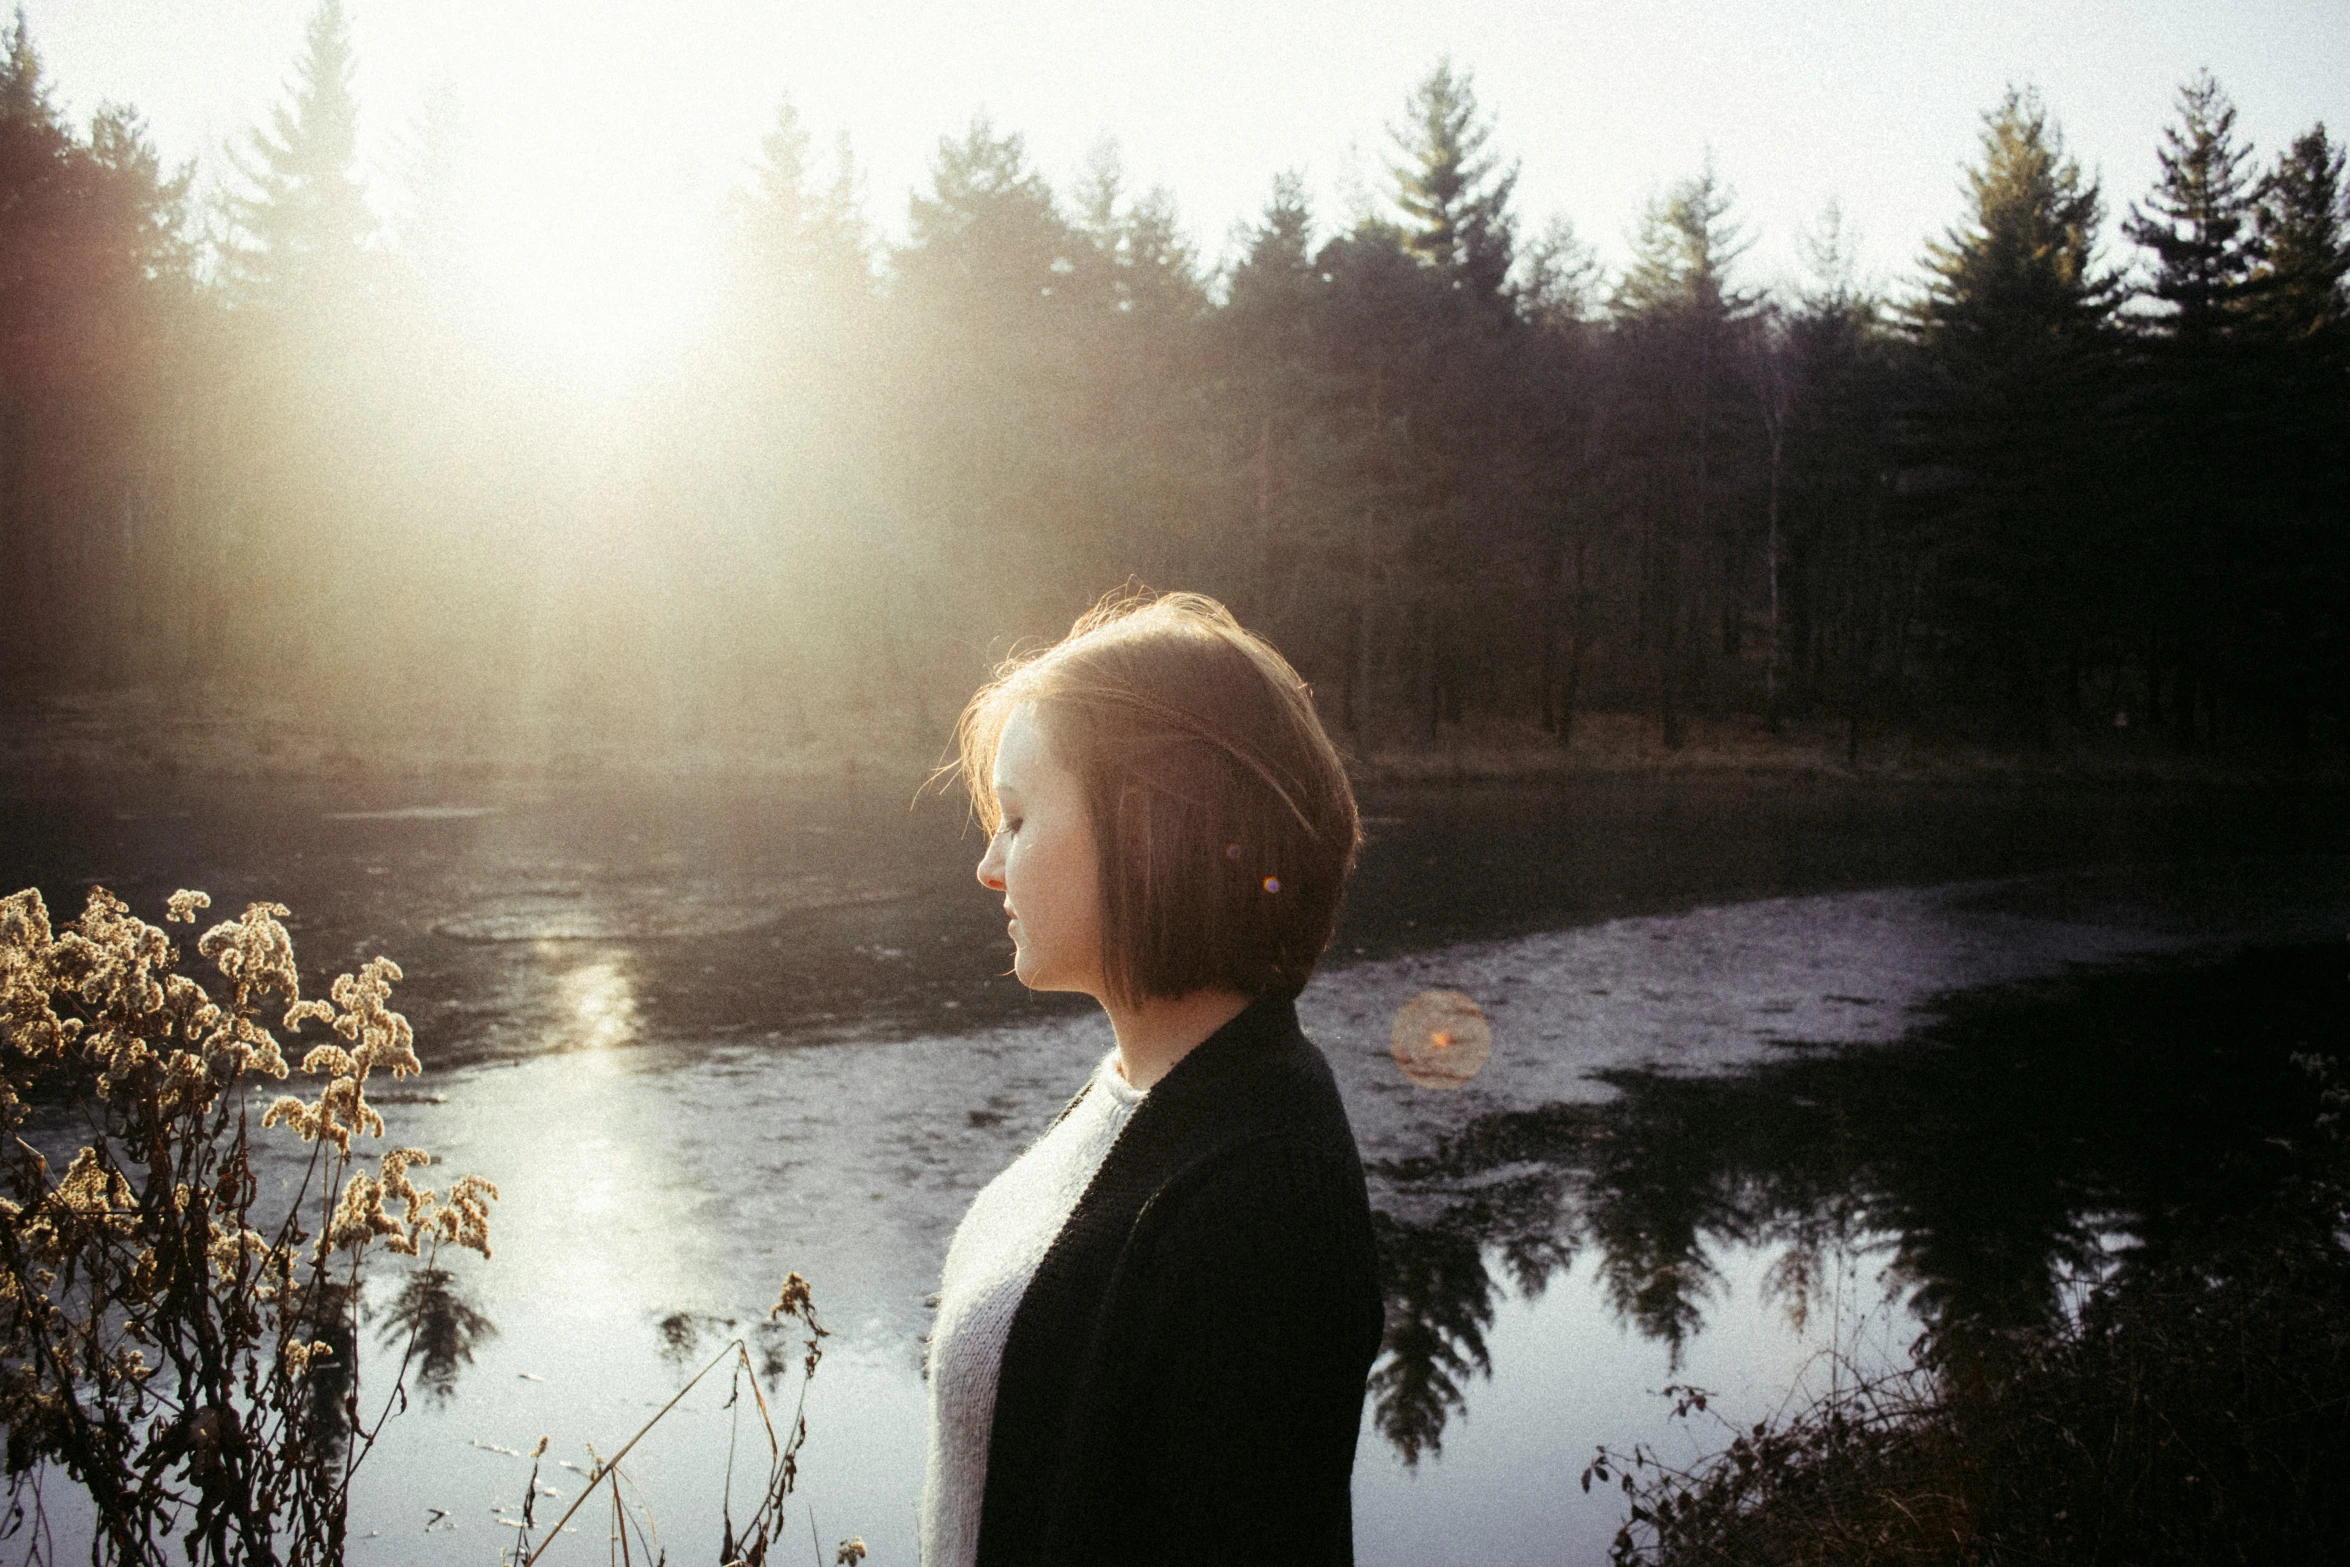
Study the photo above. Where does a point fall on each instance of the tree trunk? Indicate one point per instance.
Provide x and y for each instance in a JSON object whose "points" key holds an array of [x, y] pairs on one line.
{"points": [[1771, 662], [1264, 486], [1361, 706], [1669, 679], [1682, 627], [1547, 688], [1577, 602], [1428, 692]]}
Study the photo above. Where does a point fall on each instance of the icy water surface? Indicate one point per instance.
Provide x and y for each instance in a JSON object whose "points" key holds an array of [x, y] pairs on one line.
{"points": [[704, 1039]]}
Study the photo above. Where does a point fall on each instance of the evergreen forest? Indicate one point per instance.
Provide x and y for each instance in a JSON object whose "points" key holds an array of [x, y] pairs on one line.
{"points": [[2090, 467]]}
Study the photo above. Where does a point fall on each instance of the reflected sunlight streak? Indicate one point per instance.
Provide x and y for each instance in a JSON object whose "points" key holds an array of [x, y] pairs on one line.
{"points": [[599, 1003]]}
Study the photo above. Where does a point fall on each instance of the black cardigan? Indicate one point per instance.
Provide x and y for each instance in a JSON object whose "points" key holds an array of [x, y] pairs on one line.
{"points": [[1183, 1380]]}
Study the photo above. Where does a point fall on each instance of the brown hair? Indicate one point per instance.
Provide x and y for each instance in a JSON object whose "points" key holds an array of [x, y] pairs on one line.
{"points": [[1222, 815]]}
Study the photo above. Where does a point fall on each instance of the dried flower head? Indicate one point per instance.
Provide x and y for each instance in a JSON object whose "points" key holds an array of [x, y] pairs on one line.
{"points": [[147, 1240], [797, 1299], [359, 1217], [255, 953], [300, 1357]]}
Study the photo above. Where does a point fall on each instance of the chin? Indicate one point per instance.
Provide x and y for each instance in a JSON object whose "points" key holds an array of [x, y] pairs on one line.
{"points": [[1044, 979]]}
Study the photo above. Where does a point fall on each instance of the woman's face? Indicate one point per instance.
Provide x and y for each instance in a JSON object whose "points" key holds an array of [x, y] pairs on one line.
{"points": [[1043, 860]]}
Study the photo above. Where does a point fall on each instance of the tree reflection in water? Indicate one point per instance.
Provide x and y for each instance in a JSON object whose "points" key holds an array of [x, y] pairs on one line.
{"points": [[328, 1321], [2120, 1116], [432, 1321], [686, 1334]]}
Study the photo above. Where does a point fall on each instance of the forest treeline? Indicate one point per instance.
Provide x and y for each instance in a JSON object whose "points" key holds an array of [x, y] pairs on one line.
{"points": [[1451, 465]]}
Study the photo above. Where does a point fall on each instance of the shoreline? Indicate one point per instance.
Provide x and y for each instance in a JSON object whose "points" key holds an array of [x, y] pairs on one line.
{"points": [[58, 746]]}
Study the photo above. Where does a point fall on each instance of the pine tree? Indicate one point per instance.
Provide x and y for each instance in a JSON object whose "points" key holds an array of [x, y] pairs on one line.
{"points": [[1139, 265], [1682, 328], [2202, 410], [1287, 462], [2012, 463], [1842, 576], [989, 236], [1455, 198], [315, 393], [802, 242], [1559, 282], [1161, 279], [434, 225], [1683, 253], [1375, 447], [1566, 474], [151, 205], [2020, 272], [1273, 282], [2303, 215], [2198, 219], [24, 87], [93, 266], [35, 147], [1097, 203], [34, 151], [2298, 564], [304, 224], [990, 341]]}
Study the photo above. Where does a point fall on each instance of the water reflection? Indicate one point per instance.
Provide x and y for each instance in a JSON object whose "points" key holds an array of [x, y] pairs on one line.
{"points": [[327, 1319], [1440, 1300], [687, 1337], [599, 1003], [2122, 1116], [433, 1323]]}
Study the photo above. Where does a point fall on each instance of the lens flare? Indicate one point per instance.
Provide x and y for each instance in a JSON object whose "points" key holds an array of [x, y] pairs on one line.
{"points": [[1441, 1039]]}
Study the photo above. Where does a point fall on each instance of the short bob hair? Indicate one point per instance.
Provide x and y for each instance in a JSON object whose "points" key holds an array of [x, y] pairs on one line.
{"points": [[1223, 820]]}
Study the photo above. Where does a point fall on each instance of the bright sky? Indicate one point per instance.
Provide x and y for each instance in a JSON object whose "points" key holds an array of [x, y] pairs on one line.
{"points": [[613, 129]]}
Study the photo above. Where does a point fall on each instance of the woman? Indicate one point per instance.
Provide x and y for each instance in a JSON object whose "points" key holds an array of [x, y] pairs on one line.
{"points": [[1153, 1328]]}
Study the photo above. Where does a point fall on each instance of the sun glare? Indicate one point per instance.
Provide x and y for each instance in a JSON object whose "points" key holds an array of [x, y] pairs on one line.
{"points": [[597, 265], [602, 303]]}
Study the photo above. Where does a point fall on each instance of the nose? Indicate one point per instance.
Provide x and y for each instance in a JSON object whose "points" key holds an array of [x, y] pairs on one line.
{"points": [[991, 866]]}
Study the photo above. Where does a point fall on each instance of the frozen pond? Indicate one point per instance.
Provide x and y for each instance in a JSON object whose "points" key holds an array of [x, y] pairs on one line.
{"points": [[702, 1043]]}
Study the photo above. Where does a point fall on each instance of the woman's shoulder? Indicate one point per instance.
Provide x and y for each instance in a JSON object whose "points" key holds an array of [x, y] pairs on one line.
{"points": [[1262, 1129], [1256, 1087], [1246, 1132]]}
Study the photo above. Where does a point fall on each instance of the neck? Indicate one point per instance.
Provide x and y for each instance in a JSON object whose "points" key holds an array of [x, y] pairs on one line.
{"points": [[1156, 1033]]}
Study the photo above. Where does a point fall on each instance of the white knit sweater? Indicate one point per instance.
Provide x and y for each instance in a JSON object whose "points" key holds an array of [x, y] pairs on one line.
{"points": [[994, 1254]]}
